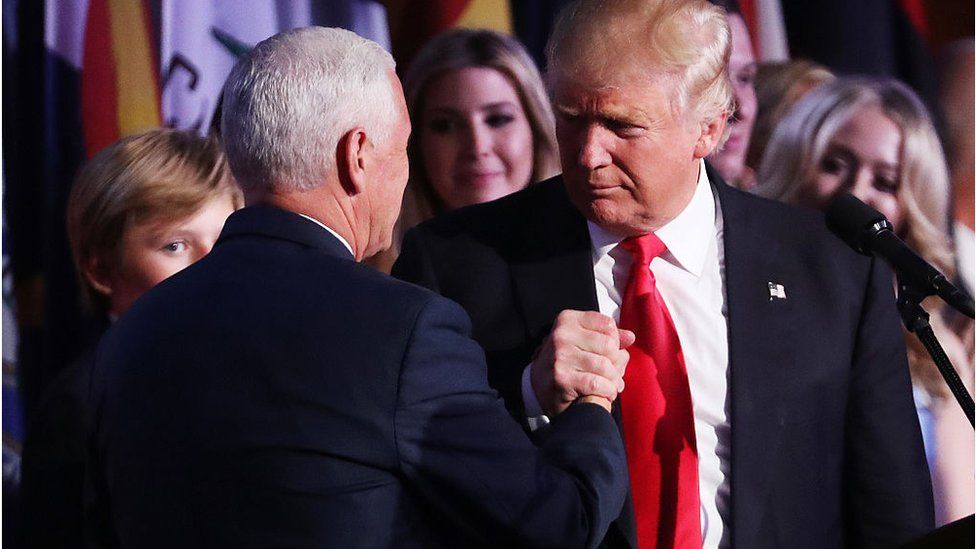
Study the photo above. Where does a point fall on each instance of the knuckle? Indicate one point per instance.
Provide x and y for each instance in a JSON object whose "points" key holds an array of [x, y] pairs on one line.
{"points": [[559, 379], [592, 386], [560, 355]]}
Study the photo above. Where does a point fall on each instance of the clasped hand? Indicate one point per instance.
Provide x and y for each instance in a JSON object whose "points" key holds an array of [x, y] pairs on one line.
{"points": [[583, 358]]}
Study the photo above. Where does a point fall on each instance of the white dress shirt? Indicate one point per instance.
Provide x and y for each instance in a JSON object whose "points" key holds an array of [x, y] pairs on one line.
{"points": [[691, 279], [335, 234]]}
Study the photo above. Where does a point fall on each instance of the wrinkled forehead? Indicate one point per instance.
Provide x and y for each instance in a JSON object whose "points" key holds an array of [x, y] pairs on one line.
{"points": [[625, 87]]}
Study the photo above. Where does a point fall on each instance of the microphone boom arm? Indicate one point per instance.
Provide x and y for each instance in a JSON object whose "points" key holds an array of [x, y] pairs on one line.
{"points": [[916, 319]]}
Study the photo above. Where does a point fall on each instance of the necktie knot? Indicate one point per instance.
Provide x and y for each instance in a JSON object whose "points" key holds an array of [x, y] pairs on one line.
{"points": [[644, 248]]}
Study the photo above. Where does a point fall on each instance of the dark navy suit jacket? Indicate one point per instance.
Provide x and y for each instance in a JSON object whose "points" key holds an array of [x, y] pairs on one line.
{"points": [[278, 394], [825, 443]]}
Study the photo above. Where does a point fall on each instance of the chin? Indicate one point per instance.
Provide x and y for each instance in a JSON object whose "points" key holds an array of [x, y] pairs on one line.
{"points": [[607, 215]]}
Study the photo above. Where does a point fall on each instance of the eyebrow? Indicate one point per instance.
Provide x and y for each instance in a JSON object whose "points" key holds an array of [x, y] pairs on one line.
{"points": [[485, 107], [841, 148], [626, 115]]}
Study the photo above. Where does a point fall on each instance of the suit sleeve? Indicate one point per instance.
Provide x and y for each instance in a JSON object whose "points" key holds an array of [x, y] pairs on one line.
{"points": [[888, 490], [460, 449]]}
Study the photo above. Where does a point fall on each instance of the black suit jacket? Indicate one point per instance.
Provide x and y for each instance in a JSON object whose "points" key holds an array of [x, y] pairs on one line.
{"points": [[278, 394], [825, 443]]}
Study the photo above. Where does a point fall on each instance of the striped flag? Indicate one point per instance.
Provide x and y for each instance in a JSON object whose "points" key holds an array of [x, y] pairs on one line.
{"points": [[119, 76], [411, 26], [764, 18]]}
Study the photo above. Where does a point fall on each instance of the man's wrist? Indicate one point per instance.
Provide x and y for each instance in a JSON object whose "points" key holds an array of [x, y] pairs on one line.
{"points": [[603, 402]]}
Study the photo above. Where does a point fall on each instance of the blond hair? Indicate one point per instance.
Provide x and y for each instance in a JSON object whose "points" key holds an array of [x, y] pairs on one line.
{"points": [[160, 175], [465, 48], [778, 87], [801, 140], [684, 42]]}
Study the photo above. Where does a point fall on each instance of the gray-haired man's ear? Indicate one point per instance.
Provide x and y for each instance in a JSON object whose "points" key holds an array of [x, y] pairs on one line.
{"points": [[353, 160]]}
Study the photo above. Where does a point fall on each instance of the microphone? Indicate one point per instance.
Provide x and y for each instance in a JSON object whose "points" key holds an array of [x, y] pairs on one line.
{"points": [[869, 232]]}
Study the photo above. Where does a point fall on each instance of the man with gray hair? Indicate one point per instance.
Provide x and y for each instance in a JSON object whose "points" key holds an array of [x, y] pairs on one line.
{"points": [[278, 393], [767, 399]]}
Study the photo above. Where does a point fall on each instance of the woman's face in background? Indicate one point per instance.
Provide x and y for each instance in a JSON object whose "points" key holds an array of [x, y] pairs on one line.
{"points": [[731, 159], [475, 140], [864, 159]]}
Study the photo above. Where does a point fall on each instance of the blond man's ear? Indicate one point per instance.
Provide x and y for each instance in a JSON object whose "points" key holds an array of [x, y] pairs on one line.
{"points": [[711, 134]]}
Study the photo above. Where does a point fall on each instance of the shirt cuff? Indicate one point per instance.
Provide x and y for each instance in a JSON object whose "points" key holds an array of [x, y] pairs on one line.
{"points": [[533, 410]]}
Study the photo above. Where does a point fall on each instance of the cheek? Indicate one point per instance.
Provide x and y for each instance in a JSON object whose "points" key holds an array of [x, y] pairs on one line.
{"points": [[892, 210], [161, 267], [745, 96], [143, 271], [516, 152], [819, 190]]}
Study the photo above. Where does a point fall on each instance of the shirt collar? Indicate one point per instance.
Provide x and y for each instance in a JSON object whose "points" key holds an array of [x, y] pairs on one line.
{"points": [[686, 236], [335, 234]]}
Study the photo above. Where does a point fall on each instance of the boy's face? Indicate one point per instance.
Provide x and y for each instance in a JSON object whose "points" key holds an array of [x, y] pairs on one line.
{"points": [[153, 251]]}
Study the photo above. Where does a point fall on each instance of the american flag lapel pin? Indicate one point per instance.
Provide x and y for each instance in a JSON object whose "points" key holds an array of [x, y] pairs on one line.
{"points": [[776, 291]]}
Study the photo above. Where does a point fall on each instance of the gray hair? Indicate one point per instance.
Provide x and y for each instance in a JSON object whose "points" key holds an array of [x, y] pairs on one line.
{"points": [[288, 101]]}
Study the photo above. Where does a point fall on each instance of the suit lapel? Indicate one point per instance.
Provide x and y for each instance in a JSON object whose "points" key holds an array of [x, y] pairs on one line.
{"points": [[760, 332], [553, 272], [554, 269]]}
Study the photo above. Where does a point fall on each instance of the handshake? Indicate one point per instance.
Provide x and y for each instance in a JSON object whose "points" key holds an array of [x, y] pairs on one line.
{"points": [[583, 358]]}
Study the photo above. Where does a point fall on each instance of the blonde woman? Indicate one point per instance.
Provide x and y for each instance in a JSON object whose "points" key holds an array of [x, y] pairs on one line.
{"points": [[482, 125], [874, 139]]}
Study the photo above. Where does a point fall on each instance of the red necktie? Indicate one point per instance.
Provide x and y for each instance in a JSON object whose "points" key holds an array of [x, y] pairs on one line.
{"points": [[658, 420]]}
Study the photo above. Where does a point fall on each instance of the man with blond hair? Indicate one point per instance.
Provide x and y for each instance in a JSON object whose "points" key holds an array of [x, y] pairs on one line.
{"points": [[767, 401], [280, 394]]}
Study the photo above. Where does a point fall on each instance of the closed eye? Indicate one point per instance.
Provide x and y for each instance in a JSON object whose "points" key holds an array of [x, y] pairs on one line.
{"points": [[886, 184], [622, 128], [834, 164]]}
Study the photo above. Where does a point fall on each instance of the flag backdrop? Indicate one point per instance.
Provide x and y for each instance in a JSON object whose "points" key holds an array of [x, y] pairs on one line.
{"points": [[410, 28], [202, 39]]}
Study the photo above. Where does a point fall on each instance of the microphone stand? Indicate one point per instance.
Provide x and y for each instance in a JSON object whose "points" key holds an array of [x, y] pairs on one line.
{"points": [[916, 319]]}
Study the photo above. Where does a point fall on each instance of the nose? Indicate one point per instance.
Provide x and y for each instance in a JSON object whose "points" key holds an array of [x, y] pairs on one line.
{"points": [[861, 185], [743, 103], [593, 153], [478, 139]]}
